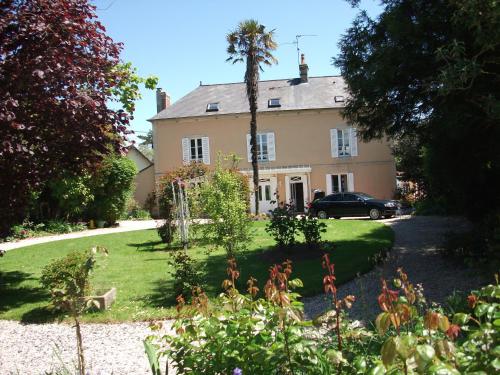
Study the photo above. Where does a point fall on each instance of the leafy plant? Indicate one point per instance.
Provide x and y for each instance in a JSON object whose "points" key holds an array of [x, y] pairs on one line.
{"points": [[166, 231], [238, 332], [222, 202], [283, 225], [68, 280], [311, 228], [185, 273], [113, 186]]}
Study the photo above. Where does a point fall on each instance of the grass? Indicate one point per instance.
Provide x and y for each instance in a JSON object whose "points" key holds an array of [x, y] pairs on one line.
{"points": [[137, 267]]}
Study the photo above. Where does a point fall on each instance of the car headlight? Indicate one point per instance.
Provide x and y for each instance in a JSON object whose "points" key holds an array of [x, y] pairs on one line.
{"points": [[390, 204]]}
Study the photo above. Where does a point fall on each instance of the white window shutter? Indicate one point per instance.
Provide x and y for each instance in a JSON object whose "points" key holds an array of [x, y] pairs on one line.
{"points": [[350, 182], [206, 150], [329, 184], [271, 147], [334, 143], [353, 142], [249, 149], [186, 151]]}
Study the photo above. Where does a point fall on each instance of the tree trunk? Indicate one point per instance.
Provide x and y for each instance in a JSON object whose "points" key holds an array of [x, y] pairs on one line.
{"points": [[79, 345], [252, 81]]}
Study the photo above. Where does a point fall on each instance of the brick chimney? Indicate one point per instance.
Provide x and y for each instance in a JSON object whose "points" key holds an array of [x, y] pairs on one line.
{"points": [[303, 69], [162, 100]]}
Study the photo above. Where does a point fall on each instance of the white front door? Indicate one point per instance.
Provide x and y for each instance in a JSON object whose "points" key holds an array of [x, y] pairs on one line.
{"points": [[266, 194], [297, 191]]}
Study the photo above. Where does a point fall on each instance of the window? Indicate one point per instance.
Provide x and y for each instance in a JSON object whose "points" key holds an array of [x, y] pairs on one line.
{"points": [[339, 183], [344, 142], [212, 107], [350, 198], [265, 147], [339, 99], [262, 149], [196, 150], [273, 103], [333, 198]]}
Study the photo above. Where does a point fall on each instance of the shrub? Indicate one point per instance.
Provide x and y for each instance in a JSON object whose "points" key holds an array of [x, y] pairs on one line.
{"points": [[73, 195], [68, 280], [311, 228], [113, 186], [221, 200], [166, 231], [238, 331], [185, 273], [283, 225]]}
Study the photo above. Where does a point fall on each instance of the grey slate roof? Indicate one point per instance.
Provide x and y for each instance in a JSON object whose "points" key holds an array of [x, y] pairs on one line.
{"points": [[317, 93]]}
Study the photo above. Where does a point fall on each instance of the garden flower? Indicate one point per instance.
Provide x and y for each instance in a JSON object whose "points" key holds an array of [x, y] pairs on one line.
{"points": [[237, 371]]}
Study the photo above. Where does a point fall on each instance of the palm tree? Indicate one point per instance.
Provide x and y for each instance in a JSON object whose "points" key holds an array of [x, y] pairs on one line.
{"points": [[250, 43]]}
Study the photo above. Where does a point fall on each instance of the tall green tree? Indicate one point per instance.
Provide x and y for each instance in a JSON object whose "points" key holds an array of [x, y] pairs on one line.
{"points": [[428, 74], [252, 44]]}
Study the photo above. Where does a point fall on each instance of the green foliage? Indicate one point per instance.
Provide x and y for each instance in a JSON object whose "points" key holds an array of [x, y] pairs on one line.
{"points": [[113, 185], [258, 336], [73, 194], [185, 273], [29, 229], [134, 211], [166, 231], [127, 88], [283, 225], [222, 202], [428, 72], [311, 228]]}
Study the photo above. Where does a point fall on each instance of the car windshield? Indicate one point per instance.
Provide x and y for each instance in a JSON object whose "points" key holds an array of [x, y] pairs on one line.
{"points": [[365, 196]]}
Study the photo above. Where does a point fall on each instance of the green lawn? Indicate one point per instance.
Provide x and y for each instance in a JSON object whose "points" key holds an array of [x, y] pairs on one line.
{"points": [[137, 267]]}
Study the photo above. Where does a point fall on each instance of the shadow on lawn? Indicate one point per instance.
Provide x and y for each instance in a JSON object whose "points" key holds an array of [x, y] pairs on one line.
{"points": [[14, 295], [350, 257]]}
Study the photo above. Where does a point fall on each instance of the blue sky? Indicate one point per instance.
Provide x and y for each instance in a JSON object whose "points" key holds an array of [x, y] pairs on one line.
{"points": [[183, 42]]}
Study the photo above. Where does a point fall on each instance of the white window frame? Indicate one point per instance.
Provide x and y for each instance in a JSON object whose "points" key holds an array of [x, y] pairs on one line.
{"points": [[344, 142], [338, 176], [266, 151], [200, 142]]}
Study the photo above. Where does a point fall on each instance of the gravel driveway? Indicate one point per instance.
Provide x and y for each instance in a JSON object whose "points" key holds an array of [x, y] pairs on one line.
{"points": [[415, 249], [117, 348]]}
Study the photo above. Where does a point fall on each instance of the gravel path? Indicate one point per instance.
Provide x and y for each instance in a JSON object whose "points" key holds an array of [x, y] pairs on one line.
{"points": [[50, 348], [415, 249], [124, 226]]}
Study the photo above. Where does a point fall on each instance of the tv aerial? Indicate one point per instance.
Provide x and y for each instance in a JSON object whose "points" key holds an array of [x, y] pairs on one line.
{"points": [[296, 43]]}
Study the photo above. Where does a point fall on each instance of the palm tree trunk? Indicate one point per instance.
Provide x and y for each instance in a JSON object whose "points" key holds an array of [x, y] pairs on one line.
{"points": [[252, 80]]}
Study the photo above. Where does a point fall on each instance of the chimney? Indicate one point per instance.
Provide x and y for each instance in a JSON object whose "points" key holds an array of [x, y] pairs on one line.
{"points": [[303, 69], [162, 100]]}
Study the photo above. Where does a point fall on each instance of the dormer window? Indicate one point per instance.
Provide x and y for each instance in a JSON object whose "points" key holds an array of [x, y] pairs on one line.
{"points": [[339, 99], [272, 103], [212, 107]]}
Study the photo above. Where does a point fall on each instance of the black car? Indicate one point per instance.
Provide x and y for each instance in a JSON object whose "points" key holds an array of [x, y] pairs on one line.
{"points": [[339, 205]]}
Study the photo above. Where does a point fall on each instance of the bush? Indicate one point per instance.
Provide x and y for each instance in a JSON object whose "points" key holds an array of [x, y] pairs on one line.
{"points": [[29, 229], [166, 231], [112, 188], [68, 280], [222, 202], [283, 225], [311, 228], [185, 273], [73, 195], [237, 331]]}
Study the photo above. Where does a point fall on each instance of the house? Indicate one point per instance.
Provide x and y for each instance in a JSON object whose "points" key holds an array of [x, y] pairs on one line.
{"points": [[145, 178], [304, 144]]}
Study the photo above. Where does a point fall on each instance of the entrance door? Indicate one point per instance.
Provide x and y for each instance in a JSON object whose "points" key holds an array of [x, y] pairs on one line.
{"points": [[297, 194], [266, 194]]}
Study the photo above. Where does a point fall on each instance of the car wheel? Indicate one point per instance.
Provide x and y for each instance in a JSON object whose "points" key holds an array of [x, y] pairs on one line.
{"points": [[374, 214], [322, 215]]}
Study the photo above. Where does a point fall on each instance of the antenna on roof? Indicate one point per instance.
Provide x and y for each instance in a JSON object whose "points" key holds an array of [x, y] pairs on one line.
{"points": [[297, 43]]}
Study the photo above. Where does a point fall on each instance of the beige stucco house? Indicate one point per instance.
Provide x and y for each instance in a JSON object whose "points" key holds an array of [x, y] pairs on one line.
{"points": [[304, 143], [145, 178]]}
